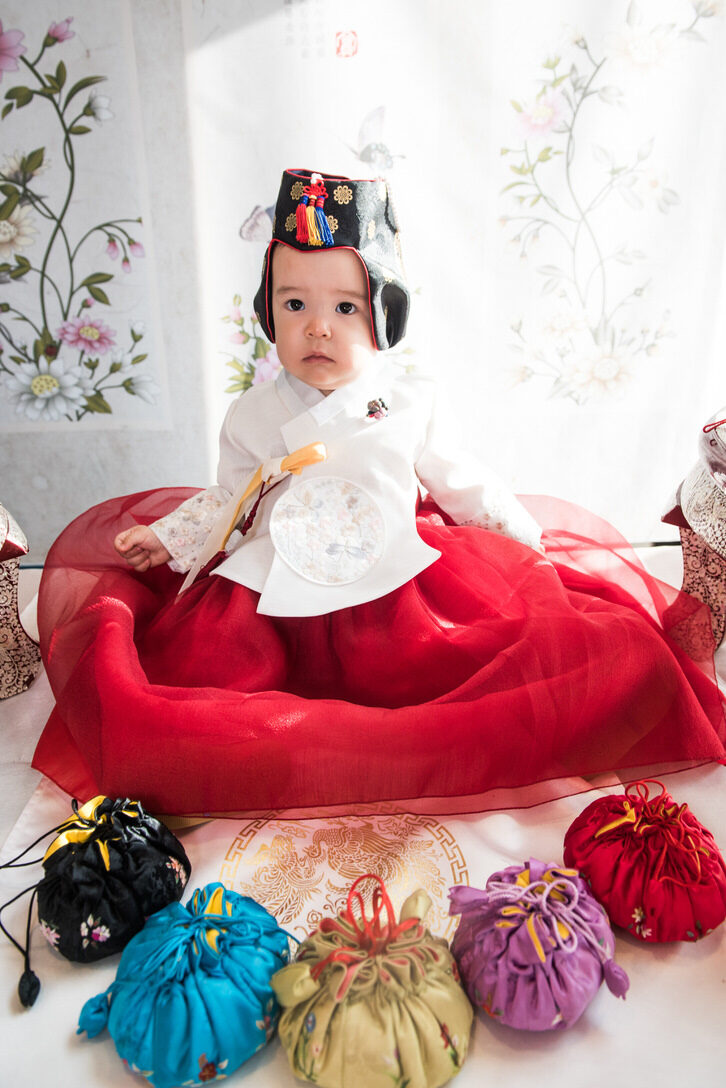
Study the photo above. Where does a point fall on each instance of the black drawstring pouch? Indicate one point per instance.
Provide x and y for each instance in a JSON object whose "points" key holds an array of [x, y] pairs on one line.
{"points": [[109, 867]]}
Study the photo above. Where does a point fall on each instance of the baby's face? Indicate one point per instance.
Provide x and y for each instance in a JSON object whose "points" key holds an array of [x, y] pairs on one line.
{"points": [[321, 313]]}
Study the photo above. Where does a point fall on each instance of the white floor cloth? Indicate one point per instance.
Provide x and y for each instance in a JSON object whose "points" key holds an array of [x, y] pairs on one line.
{"points": [[670, 1027]]}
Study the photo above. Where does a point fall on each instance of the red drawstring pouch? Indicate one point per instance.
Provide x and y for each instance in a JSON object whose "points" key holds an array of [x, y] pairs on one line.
{"points": [[654, 867]]}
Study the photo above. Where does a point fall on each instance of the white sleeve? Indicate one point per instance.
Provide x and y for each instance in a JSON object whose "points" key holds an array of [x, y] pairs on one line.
{"points": [[469, 492], [184, 531]]}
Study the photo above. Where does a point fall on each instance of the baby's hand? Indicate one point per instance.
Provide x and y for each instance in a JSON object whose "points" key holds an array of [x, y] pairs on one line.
{"points": [[141, 548]]}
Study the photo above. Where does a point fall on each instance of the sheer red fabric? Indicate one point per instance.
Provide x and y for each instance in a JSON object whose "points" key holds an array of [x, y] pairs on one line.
{"points": [[491, 671]]}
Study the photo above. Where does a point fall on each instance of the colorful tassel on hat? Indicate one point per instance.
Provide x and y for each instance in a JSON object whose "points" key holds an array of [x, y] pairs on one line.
{"points": [[302, 220], [312, 224], [313, 236]]}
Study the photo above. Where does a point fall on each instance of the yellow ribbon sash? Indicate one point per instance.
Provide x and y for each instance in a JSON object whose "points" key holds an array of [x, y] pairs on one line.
{"points": [[224, 526]]}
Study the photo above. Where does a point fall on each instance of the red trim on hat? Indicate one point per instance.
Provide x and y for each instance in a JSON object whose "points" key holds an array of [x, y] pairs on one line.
{"points": [[278, 242], [331, 177], [268, 266]]}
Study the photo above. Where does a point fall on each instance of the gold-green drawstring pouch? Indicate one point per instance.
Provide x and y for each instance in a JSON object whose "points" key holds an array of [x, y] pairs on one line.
{"points": [[374, 1002]]}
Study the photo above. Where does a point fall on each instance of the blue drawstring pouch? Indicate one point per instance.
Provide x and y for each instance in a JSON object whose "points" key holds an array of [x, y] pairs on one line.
{"points": [[192, 998]]}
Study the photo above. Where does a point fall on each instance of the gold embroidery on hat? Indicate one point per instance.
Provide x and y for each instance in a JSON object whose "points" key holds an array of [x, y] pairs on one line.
{"points": [[274, 222], [382, 190], [343, 194], [290, 222], [371, 229], [332, 223], [297, 190]]}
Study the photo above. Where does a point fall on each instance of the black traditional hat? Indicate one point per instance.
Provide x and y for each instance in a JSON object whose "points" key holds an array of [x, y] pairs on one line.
{"points": [[317, 211]]}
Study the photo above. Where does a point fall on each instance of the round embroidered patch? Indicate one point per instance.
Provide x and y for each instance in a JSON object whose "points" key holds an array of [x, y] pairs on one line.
{"points": [[328, 530]]}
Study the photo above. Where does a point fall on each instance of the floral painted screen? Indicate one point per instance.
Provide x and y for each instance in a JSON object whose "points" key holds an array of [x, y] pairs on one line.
{"points": [[73, 320]]}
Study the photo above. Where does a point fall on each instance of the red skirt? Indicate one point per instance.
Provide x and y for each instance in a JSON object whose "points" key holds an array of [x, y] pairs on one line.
{"points": [[491, 671]]}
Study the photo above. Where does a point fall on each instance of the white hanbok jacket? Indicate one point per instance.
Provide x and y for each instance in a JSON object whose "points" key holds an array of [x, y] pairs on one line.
{"points": [[343, 532]]}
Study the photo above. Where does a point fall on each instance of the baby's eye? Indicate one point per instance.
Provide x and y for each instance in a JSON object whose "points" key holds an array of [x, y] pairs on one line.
{"points": [[346, 308], [294, 304]]}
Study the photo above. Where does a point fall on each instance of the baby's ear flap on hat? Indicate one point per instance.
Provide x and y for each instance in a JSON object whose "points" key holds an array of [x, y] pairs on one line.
{"points": [[395, 305], [261, 303]]}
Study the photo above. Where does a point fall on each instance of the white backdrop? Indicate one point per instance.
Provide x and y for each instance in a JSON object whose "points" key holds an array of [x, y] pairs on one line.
{"points": [[558, 171]]}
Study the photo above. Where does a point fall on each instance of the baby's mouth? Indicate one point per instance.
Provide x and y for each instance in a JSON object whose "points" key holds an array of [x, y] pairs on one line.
{"points": [[317, 357]]}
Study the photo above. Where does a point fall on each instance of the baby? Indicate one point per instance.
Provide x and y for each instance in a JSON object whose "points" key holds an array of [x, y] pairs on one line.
{"points": [[329, 308]]}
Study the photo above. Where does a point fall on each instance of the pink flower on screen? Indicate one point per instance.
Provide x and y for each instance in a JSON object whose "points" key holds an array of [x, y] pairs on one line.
{"points": [[136, 249], [61, 31], [10, 49], [112, 249], [544, 114], [267, 368], [125, 265], [87, 334]]}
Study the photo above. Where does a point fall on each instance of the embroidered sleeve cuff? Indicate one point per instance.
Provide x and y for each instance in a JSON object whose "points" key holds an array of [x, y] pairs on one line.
{"points": [[509, 521], [184, 530]]}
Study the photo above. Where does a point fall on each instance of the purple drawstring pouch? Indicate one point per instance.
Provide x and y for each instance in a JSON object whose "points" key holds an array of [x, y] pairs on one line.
{"points": [[534, 946]]}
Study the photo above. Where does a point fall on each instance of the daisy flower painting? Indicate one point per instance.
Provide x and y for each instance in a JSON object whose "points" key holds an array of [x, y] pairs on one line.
{"points": [[64, 355]]}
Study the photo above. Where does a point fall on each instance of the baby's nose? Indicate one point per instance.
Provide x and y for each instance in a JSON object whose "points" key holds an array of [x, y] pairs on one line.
{"points": [[317, 327]]}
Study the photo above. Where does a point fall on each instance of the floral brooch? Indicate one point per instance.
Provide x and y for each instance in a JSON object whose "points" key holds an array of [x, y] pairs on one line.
{"points": [[377, 409]]}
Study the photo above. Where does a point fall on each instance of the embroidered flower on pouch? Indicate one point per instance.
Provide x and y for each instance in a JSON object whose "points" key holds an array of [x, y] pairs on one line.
{"points": [[133, 1068], [267, 1024], [489, 1008], [92, 930], [210, 1071], [638, 920], [179, 873], [50, 933], [451, 1043]]}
